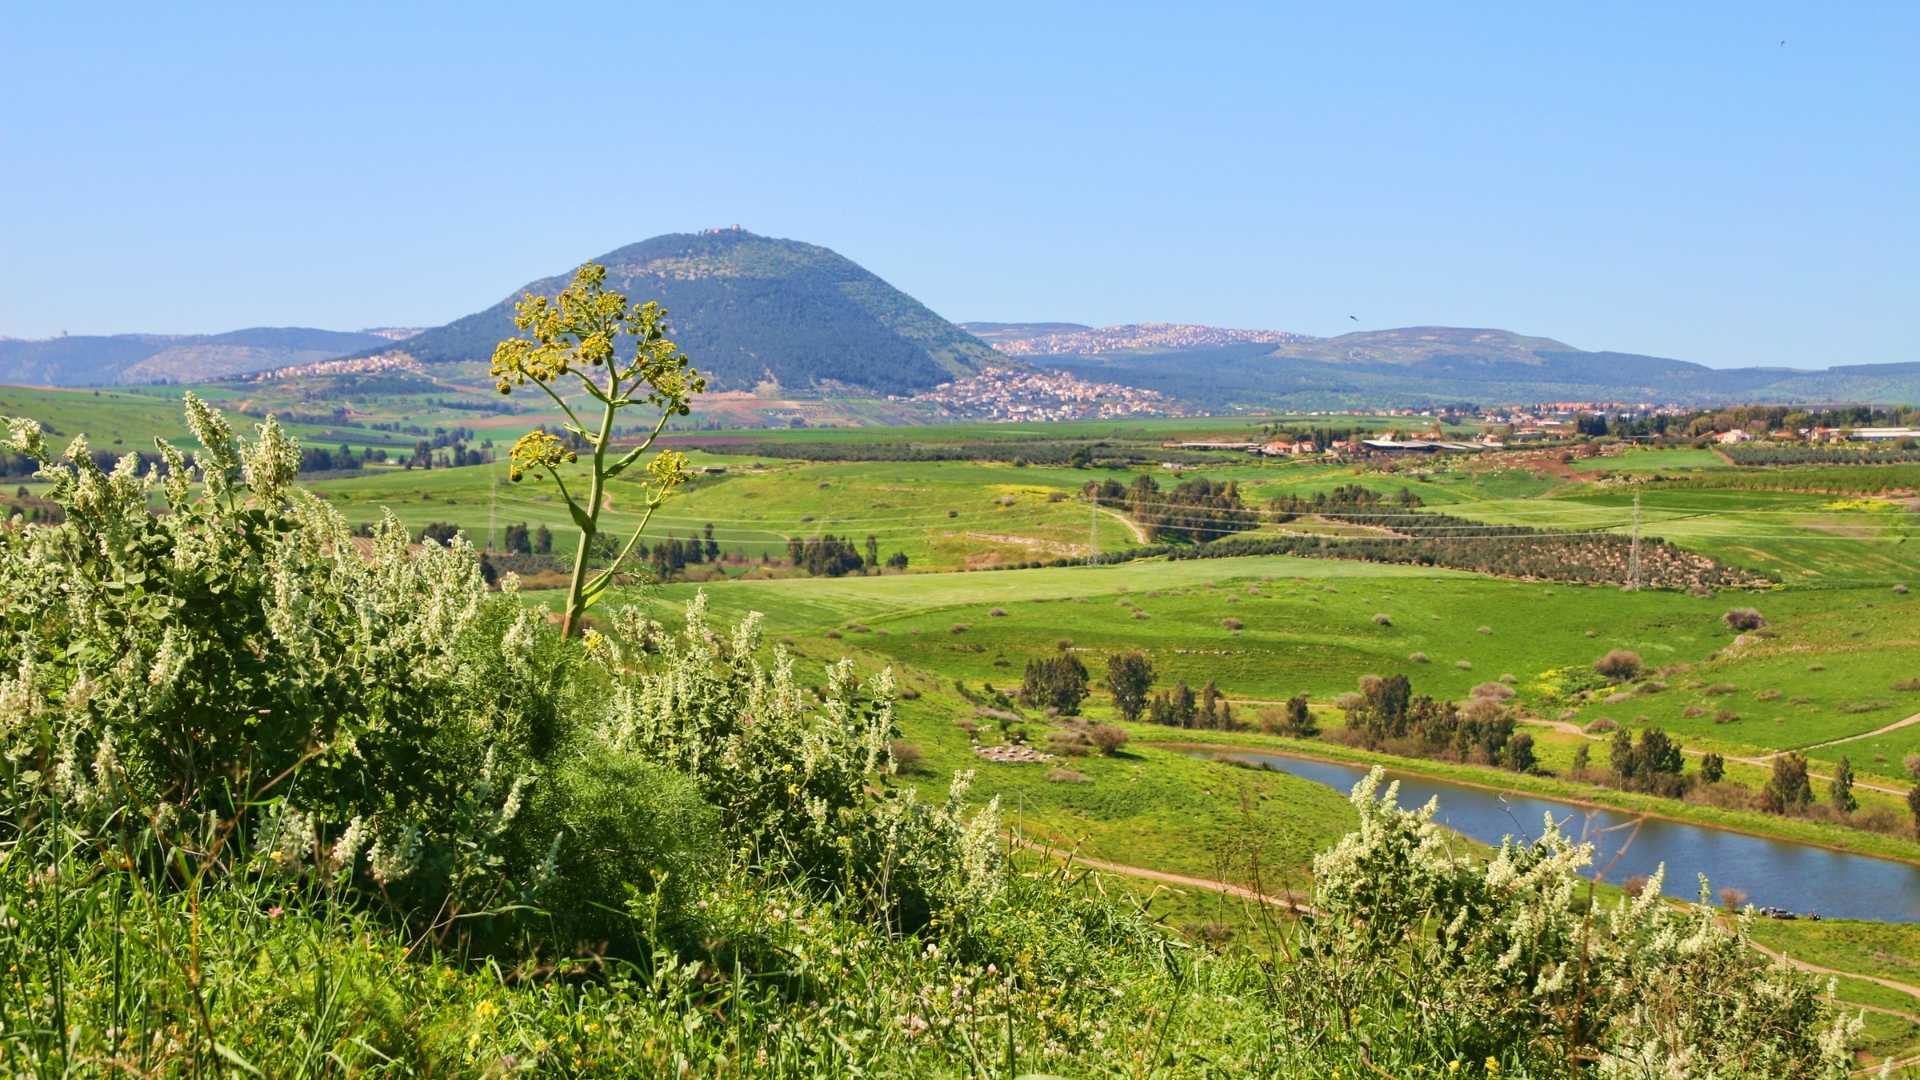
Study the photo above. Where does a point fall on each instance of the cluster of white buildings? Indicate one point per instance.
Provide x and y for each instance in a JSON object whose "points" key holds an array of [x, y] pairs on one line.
{"points": [[1007, 394]]}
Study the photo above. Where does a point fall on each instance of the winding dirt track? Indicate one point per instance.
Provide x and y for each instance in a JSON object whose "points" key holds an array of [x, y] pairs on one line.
{"points": [[1184, 880], [1139, 534]]}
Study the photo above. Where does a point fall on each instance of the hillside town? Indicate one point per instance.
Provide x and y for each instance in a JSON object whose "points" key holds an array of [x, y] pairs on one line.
{"points": [[1009, 394]]}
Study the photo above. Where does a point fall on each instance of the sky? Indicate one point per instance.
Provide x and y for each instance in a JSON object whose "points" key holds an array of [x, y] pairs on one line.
{"points": [[1656, 178]]}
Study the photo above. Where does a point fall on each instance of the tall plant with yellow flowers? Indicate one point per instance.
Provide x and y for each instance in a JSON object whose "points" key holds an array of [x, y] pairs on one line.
{"points": [[580, 333]]}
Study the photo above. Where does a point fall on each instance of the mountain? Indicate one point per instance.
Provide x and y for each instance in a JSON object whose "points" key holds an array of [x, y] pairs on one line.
{"points": [[82, 360], [753, 309], [1423, 365]]}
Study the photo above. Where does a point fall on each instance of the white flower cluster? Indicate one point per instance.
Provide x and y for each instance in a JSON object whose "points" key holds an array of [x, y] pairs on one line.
{"points": [[1510, 950]]}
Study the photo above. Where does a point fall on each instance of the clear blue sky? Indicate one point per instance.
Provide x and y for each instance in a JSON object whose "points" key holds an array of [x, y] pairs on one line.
{"points": [[1619, 176]]}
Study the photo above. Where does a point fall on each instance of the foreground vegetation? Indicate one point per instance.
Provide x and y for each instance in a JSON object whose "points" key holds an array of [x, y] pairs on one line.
{"points": [[281, 803]]}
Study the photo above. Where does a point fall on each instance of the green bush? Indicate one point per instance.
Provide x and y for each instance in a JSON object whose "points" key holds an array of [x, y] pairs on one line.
{"points": [[627, 823]]}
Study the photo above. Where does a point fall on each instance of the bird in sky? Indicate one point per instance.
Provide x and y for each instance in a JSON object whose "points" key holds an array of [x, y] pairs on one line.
{"points": [[1355, 318]]}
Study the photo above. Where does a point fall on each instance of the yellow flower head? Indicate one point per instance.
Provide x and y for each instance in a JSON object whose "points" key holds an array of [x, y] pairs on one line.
{"points": [[537, 449], [667, 470]]}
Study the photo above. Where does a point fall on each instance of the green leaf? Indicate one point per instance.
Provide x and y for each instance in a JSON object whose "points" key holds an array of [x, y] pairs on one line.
{"points": [[581, 519]]}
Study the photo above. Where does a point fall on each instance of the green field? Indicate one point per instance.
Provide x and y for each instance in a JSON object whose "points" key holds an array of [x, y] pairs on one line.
{"points": [[1836, 661]]}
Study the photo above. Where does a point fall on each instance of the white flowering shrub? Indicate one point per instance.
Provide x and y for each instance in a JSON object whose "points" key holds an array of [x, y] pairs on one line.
{"points": [[252, 681], [1417, 954], [265, 690], [800, 775]]}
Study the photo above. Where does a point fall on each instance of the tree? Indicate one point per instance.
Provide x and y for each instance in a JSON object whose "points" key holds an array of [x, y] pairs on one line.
{"points": [[1208, 714], [873, 552], [542, 541], [1299, 721], [1622, 762], [516, 540], [1788, 790], [440, 532], [712, 545], [578, 333], [1056, 682], [897, 561], [1913, 805], [1519, 753], [1184, 709], [1129, 678], [1840, 790], [1713, 768], [1582, 757]]}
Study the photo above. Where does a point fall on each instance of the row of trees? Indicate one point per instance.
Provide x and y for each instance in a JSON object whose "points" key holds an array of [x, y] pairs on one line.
{"points": [[1180, 708], [833, 556], [1385, 714], [1194, 511], [1347, 498]]}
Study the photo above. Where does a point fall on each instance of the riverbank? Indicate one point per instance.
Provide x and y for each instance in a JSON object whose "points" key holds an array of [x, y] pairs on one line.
{"points": [[1769, 826]]}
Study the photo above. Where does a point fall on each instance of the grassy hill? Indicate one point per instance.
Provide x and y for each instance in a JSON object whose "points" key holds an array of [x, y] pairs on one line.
{"points": [[754, 310]]}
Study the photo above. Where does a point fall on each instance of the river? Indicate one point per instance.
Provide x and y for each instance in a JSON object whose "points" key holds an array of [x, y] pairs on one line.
{"points": [[1773, 873]]}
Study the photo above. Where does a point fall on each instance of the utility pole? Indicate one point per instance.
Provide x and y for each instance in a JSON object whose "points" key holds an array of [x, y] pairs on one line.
{"points": [[1093, 527], [1633, 558]]}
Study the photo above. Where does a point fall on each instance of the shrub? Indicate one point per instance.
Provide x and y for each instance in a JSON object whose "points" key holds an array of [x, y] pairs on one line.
{"points": [[906, 757], [1600, 726], [1139, 614], [242, 641], [958, 628], [1232, 624], [1403, 918], [1108, 738], [1068, 742], [1619, 665], [1907, 685], [1383, 619], [1493, 690], [1912, 764], [997, 613], [1463, 665], [1485, 630], [1743, 619], [1417, 658], [626, 822], [1067, 776], [1733, 899]]}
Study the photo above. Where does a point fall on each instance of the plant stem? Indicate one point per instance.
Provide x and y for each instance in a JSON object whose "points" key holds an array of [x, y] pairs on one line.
{"points": [[576, 589]]}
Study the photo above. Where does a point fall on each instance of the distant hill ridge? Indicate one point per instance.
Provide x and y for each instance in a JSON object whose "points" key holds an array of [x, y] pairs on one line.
{"points": [[100, 360], [751, 309], [1069, 339], [1218, 368]]}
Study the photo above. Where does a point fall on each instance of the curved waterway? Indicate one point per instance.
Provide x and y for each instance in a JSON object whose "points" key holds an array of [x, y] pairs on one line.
{"points": [[1773, 873]]}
